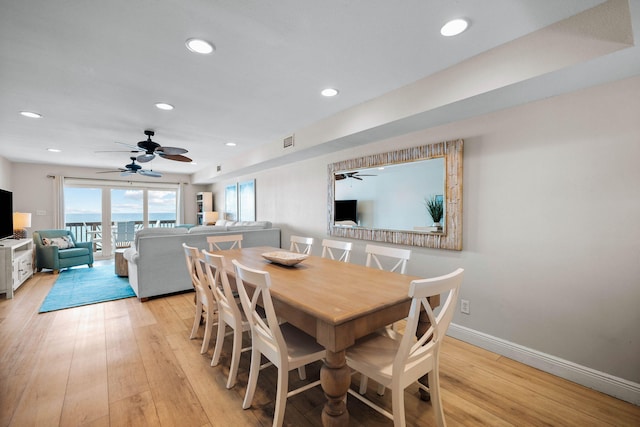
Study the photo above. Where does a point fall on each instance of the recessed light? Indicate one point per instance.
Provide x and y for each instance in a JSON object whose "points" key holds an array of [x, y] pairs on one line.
{"points": [[199, 46], [230, 144], [164, 106], [31, 114], [329, 92], [54, 150], [454, 27]]}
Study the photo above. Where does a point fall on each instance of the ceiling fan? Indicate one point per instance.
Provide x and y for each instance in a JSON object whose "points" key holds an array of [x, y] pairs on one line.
{"points": [[150, 148], [354, 175], [133, 168]]}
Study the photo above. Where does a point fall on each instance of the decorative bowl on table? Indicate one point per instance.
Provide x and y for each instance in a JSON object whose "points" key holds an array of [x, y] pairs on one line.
{"points": [[284, 257]]}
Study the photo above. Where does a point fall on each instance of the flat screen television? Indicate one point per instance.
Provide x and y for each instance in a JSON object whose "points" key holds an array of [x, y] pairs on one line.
{"points": [[346, 210], [6, 214]]}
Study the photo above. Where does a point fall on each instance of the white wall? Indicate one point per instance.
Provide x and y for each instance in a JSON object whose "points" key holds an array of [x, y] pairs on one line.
{"points": [[5, 174], [551, 242]]}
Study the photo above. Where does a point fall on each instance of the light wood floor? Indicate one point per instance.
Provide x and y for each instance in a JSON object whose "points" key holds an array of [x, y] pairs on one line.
{"points": [[126, 363]]}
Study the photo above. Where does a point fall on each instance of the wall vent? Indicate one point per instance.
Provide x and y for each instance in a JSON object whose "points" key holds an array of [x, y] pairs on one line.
{"points": [[288, 142]]}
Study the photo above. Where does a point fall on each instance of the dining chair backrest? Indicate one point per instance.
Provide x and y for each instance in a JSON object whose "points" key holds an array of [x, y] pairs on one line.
{"points": [[214, 267], [205, 300], [199, 278], [328, 247], [270, 339], [265, 330], [191, 254], [412, 352], [231, 241], [301, 245], [400, 256], [415, 354]]}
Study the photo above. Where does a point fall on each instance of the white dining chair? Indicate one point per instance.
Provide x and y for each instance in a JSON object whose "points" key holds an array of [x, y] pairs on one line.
{"points": [[233, 241], [229, 313], [380, 255], [205, 301], [329, 246], [398, 363], [301, 245], [284, 345]]}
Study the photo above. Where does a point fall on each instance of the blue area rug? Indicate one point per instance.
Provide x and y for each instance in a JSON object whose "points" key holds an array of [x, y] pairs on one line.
{"points": [[82, 286]]}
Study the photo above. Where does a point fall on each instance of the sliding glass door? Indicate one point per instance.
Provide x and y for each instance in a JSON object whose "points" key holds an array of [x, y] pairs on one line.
{"points": [[109, 212], [162, 208], [127, 215], [83, 214]]}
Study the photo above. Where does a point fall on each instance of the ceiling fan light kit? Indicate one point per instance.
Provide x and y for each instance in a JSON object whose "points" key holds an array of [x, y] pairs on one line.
{"points": [[133, 168]]}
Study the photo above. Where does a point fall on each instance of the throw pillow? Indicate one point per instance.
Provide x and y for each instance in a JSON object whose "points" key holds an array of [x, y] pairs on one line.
{"points": [[63, 242]]}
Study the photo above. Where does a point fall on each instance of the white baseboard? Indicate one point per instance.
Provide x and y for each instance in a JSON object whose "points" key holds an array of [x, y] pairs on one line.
{"points": [[600, 381]]}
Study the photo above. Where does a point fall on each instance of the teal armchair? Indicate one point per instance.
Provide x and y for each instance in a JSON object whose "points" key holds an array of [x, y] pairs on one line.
{"points": [[54, 257]]}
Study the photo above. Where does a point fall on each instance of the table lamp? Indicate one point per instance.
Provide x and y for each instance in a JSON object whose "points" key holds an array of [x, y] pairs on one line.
{"points": [[21, 221], [210, 218]]}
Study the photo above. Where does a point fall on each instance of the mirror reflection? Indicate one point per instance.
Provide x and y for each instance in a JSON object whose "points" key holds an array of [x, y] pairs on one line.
{"points": [[390, 197], [390, 205]]}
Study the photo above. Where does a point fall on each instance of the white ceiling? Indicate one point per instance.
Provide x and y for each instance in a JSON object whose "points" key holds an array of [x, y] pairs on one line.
{"points": [[94, 69]]}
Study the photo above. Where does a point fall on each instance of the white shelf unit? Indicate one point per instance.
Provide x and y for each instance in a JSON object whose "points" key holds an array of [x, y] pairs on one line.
{"points": [[16, 264], [204, 203]]}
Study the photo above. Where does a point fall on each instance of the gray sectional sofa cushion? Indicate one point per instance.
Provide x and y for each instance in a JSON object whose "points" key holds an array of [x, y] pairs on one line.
{"points": [[156, 261]]}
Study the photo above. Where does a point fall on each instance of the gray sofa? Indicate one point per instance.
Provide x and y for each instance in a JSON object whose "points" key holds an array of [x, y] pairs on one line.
{"points": [[156, 260]]}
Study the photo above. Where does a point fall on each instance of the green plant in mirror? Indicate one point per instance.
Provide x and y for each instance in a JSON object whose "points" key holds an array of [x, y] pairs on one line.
{"points": [[435, 206]]}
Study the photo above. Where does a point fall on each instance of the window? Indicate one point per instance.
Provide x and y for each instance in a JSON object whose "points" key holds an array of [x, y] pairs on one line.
{"points": [[93, 209]]}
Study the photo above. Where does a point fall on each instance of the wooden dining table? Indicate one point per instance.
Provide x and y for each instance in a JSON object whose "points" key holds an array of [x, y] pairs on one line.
{"points": [[335, 302]]}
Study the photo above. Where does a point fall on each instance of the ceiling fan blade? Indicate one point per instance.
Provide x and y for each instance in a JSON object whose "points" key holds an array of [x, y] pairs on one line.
{"points": [[113, 171], [133, 147], [146, 157], [116, 151], [176, 157], [150, 173], [171, 151]]}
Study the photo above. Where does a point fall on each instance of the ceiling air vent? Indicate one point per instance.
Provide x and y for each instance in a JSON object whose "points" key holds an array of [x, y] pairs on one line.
{"points": [[288, 142]]}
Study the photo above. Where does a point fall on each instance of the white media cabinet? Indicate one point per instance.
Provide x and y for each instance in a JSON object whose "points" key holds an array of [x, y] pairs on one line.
{"points": [[16, 264]]}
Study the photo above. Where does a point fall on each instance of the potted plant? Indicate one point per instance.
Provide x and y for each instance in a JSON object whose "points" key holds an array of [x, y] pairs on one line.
{"points": [[435, 209]]}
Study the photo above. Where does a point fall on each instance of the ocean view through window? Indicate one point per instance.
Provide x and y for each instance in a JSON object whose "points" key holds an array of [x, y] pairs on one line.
{"points": [[84, 204], [92, 211]]}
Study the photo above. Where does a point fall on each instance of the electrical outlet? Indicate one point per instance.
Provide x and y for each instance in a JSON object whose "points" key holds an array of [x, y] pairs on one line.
{"points": [[464, 306]]}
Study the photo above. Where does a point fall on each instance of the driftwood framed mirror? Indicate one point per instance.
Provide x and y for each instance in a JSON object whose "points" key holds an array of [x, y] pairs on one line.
{"points": [[382, 197]]}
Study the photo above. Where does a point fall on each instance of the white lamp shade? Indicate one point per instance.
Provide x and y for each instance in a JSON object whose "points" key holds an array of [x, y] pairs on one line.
{"points": [[21, 220], [211, 217]]}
